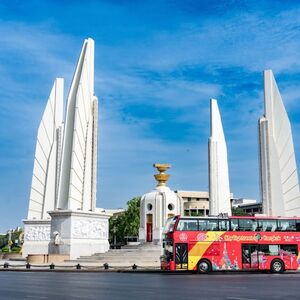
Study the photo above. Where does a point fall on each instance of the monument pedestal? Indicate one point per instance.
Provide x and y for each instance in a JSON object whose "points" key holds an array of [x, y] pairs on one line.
{"points": [[142, 235], [36, 237], [78, 233], [157, 207]]}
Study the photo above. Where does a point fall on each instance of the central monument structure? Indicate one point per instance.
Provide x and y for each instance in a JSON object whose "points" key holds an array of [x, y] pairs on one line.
{"points": [[62, 218], [156, 207]]}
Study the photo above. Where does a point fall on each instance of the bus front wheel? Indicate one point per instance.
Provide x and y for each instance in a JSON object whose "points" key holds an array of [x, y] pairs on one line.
{"points": [[277, 266], [204, 266]]}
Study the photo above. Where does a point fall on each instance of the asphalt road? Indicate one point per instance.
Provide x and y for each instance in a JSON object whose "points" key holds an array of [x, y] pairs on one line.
{"points": [[227, 286]]}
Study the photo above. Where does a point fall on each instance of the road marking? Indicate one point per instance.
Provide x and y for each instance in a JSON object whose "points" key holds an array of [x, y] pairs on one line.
{"points": [[240, 298], [35, 297]]}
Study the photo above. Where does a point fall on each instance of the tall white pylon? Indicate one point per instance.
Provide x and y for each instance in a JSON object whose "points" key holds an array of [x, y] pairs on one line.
{"points": [[45, 176], [219, 192], [77, 188], [278, 170]]}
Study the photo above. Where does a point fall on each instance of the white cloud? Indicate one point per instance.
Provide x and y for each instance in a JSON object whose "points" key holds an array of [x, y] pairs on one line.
{"points": [[153, 72]]}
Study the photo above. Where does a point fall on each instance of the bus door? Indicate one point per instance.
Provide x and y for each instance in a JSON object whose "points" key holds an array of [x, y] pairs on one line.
{"points": [[250, 259], [181, 256]]}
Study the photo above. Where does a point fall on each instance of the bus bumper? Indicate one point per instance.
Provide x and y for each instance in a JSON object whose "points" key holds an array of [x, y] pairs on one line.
{"points": [[170, 265]]}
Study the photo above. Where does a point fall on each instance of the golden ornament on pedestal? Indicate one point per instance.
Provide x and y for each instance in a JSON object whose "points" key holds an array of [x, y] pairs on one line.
{"points": [[162, 177]]}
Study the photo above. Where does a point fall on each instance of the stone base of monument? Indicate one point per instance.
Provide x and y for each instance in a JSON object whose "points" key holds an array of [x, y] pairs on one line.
{"points": [[78, 233], [36, 237], [47, 259]]}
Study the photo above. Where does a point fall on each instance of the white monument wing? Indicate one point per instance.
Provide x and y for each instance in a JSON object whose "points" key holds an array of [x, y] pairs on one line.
{"points": [[219, 192], [278, 170], [77, 189], [45, 171]]}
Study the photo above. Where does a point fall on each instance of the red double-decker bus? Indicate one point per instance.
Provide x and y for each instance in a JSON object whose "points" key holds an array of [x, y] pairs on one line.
{"points": [[231, 243]]}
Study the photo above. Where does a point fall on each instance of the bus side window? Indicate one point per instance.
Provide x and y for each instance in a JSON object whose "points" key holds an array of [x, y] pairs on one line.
{"points": [[212, 225], [180, 225], [202, 225], [292, 225], [287, 225], [264, 249], [274, 249], [269, 249], [267, 225], [254, 225], [247, 225], [234, 224], [224, 225], [289, 249], [298, 225], [192, 225], [187, 225]]}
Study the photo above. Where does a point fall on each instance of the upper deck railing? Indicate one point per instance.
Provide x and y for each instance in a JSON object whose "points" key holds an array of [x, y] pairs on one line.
{"points": [[266, 224]]}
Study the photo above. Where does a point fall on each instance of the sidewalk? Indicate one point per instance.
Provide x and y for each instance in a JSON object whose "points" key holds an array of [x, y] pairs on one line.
{"points": [[21, 266], [7, 265]]}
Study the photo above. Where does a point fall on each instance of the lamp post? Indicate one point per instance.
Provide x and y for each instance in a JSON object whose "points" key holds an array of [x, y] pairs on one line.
{"points": [[115, 236], [9, 240]]}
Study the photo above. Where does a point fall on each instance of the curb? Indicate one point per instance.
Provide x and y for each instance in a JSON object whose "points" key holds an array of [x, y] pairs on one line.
{"points": [[144, 271]]}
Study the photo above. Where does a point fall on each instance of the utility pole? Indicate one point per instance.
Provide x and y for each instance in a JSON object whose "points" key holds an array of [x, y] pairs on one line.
{"points": [[9, 243]]}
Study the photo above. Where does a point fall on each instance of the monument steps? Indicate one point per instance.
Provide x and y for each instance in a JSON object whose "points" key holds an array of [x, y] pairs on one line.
{"points": [[141, 255]]}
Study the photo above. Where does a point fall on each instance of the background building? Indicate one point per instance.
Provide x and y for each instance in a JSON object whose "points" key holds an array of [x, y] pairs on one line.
{"points": [[195, 203], [248, 206]]}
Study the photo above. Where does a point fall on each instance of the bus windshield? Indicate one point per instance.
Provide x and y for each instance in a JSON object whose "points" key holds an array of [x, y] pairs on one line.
{"points": [[169, 227]]}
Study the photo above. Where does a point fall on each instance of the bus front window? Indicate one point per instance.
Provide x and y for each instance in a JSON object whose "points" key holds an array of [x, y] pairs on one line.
{"points": [[172, 224]]}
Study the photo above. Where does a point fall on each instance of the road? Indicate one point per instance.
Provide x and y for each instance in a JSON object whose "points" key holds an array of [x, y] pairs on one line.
{"points": [[225, 286]]}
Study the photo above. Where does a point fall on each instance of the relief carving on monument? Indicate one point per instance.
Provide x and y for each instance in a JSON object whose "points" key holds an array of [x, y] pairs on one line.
{"points": [[37, 233], [90, 229]]}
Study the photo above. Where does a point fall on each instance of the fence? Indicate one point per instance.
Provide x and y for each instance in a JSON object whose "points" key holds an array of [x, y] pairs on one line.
{"points": [[51, 267]]}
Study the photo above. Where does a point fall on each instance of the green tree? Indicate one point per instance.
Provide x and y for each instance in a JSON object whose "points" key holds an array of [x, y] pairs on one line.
{"points": [[237, 211], [132, 217], [126, 224], [5, 238]]}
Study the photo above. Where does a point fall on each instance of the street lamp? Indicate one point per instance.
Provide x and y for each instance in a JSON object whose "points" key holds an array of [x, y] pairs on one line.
{"points": [[9, 243], [115, 236]]}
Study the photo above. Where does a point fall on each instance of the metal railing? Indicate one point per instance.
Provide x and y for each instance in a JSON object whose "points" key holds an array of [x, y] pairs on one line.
{"points": [[52, 267]]}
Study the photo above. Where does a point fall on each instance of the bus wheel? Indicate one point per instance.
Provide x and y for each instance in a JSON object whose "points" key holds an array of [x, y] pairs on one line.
{"points": [[277, 266], [204, 266]]}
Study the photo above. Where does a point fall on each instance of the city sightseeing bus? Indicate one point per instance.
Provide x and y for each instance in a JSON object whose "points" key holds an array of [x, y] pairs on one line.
{"points": [[231, 243]]}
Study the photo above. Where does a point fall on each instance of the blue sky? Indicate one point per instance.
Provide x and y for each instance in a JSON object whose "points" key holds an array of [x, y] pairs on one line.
{"points": [[157, 64]]}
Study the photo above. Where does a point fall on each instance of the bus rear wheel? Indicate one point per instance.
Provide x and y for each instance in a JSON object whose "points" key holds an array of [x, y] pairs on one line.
{"points": [[277, 266], [204, 266]]}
